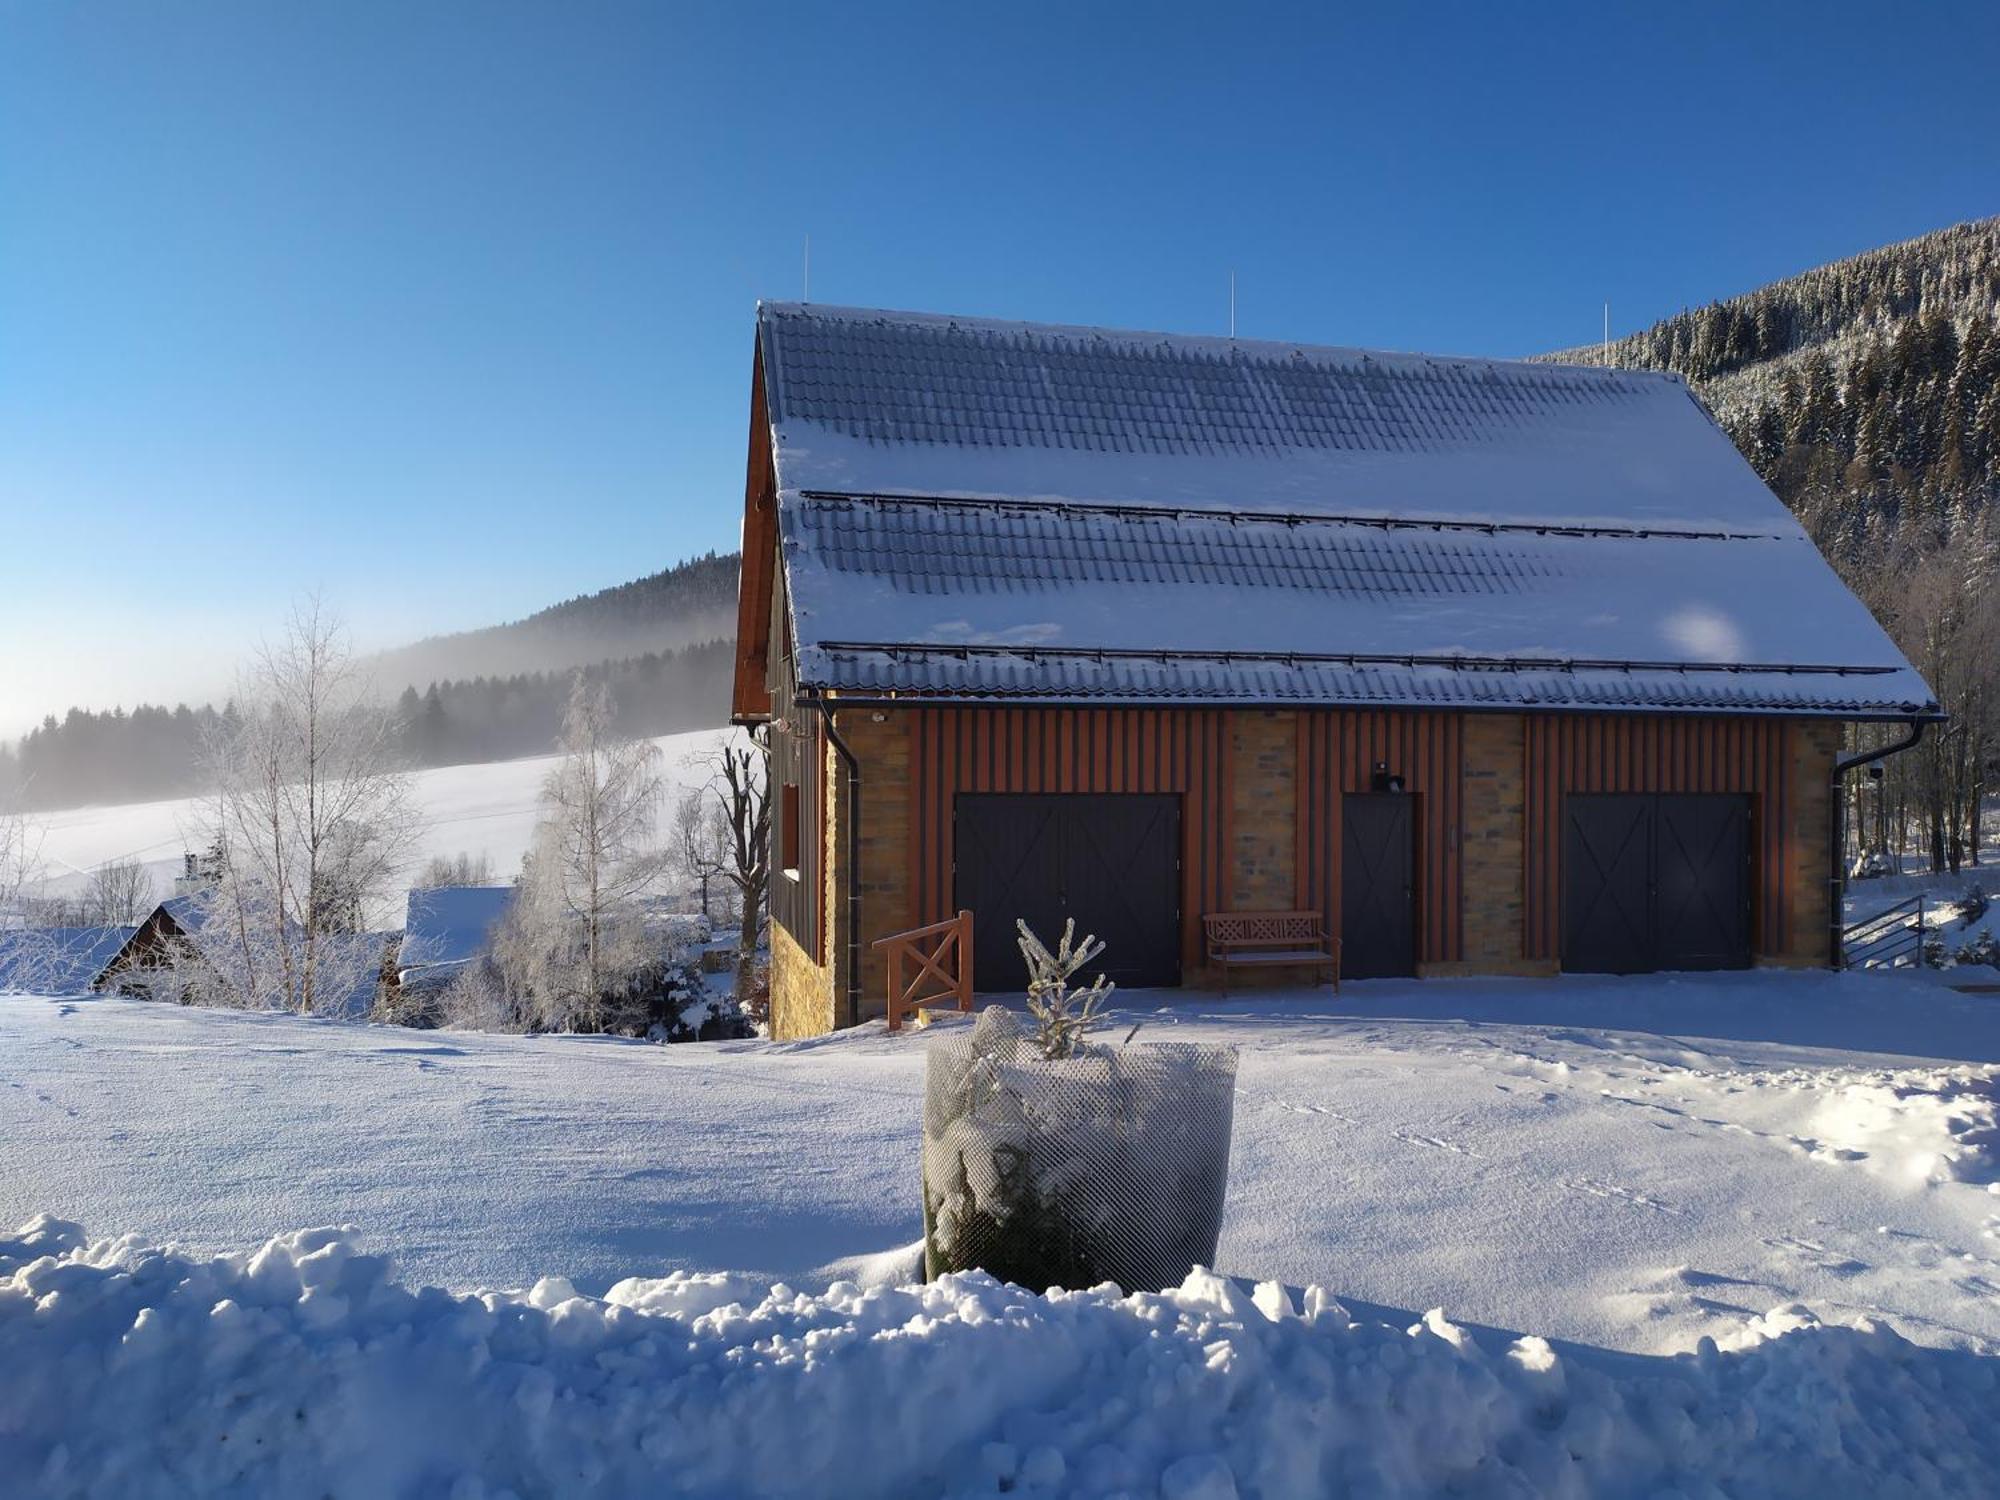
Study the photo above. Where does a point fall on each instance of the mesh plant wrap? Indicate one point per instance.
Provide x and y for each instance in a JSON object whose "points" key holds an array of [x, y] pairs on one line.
{"points": [[1107, 1166]]}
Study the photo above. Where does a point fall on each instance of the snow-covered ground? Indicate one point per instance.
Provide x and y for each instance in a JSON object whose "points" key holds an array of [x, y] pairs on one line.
{"points": [[486, 809], [1630, 1163], [304, 1369], [1620, 1166]]}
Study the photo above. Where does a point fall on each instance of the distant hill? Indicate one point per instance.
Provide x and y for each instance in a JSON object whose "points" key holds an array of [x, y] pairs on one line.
{"points": [[661, 644], [1866, 391], [685, 605]]}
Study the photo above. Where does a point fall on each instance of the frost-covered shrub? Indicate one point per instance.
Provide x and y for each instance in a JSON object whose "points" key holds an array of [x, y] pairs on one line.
{"points": [[1106, 1164], [1063, 1013], [1983, 949], [1872, 864], [1933, 953], [1973, 905]]}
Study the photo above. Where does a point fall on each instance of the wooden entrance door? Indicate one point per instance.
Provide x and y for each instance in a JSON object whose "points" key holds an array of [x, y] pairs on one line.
{"points": [[1378, 907]]}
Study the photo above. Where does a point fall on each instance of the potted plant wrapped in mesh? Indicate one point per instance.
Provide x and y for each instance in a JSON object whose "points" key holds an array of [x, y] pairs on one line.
{"points": [[1054, 1160]]}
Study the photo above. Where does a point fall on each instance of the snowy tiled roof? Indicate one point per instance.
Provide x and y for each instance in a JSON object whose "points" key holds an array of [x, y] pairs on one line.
{"points": [[1139, 517], [863, 401], [446, 927], [57, 960]]}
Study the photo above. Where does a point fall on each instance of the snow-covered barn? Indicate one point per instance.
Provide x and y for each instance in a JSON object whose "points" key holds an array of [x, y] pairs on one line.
{"points": [[1499, 667]]}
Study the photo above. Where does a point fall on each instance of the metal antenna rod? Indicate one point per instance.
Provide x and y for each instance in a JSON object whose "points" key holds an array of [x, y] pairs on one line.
{"points": [[1607, 334], [1232, 304], [806, 295]]}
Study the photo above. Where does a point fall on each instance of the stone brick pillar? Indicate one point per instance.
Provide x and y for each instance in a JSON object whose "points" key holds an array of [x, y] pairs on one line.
{"points": [[1494, 840], [1264, 811]]}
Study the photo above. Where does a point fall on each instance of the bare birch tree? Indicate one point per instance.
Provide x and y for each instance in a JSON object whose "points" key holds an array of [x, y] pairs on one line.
{"points": [[576, 932], [311, 818], [20, 864], [702, 844]]}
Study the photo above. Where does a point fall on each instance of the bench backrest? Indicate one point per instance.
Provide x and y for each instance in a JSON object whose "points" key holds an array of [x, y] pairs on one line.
{"points": [[1246, 929]]}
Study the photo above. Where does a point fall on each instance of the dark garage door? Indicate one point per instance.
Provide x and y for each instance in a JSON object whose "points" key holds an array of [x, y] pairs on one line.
{"points": [[1111, 862], [1655, 882]]}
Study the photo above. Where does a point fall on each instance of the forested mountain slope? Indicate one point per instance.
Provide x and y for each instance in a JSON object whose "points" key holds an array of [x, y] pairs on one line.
{"points": [[1867, 392], [690, 603]]}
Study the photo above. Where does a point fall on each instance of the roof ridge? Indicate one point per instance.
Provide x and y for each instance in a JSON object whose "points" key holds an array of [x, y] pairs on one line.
{"points": [[1214, 344]]}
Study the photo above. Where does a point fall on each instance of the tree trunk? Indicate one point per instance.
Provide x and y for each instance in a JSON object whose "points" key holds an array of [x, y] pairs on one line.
{"points": [[746, 944]]}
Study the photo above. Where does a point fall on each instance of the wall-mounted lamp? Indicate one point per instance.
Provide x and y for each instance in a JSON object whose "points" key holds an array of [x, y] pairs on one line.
{"points": [[1383, 781]]}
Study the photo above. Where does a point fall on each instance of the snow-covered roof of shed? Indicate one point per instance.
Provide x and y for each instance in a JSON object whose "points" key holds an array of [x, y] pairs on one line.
{"points": [[57, 960], [449, 925], [864, 401], [974, 509]]}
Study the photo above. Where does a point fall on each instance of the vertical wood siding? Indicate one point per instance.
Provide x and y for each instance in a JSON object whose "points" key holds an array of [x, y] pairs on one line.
{"points": [[1186, 751], [1575, 754], [1338, 751]]}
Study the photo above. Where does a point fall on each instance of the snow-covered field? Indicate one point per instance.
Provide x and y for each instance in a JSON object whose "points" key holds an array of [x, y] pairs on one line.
{"points": [[486, 809], [1615, 1165]]}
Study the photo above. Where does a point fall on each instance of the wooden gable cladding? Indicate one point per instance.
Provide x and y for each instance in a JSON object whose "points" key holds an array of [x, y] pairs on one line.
{"points": [[751, 697], [1185, 751], [1338, 752], [1578, 754]]}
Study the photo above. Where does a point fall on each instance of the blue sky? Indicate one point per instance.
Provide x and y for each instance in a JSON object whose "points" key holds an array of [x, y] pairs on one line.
{"points": [[444, 310]]}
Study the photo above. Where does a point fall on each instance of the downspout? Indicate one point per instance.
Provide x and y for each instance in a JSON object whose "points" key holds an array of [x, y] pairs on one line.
{"points": [[1837, 813], [850, 864]]}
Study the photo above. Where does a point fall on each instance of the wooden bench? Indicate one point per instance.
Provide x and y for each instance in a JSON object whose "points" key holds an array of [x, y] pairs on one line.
{"points": [[1271, 937]]}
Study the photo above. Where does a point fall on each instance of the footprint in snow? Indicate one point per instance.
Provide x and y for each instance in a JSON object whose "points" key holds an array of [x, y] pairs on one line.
{"points": [[1811, 1253], [1434, 1142], [1597, 1188]]}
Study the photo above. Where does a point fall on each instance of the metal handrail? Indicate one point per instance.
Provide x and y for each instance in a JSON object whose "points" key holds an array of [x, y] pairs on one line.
{"points": [[1884, 938]]}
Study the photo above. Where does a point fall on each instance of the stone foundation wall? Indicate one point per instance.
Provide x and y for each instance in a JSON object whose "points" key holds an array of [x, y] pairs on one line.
{"points": [[801, 991]]}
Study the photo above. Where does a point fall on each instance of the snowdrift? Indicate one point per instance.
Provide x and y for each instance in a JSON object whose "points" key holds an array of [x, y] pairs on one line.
{"points": [[305, 1367]]}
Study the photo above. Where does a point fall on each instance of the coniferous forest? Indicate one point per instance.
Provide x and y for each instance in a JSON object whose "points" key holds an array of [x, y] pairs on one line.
{"points": [[152, 752]]}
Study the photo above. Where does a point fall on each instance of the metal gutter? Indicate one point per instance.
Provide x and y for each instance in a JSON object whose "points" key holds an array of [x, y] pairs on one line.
{"points": [[1837, 819]]}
